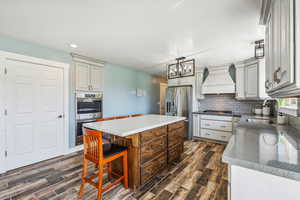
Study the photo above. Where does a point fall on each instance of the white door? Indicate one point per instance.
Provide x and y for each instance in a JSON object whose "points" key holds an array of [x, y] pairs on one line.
{"points": [[34, 103], [251, 89], [96, 78], [82, 76]]}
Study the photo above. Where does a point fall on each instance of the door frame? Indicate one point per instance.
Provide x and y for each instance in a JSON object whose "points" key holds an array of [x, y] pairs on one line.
{"points": [[49, 63]]}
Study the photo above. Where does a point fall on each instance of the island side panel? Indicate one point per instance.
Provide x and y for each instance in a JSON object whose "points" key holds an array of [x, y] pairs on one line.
{"points": [[133, 144]]}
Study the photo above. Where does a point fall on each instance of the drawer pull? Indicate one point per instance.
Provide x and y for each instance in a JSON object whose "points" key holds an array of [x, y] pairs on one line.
{"points": [[207, 125], [223, 126], [223, 137]]}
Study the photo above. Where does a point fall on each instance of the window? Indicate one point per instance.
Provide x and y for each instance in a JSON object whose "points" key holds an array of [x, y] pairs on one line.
{"points": [[288, 106]]}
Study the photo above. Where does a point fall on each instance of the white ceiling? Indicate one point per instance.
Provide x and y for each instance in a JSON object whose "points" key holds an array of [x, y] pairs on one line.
{"points": [[143, 34]]}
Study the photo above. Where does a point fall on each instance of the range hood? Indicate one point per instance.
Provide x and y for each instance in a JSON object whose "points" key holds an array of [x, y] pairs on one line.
{"points": [[218, 81]]}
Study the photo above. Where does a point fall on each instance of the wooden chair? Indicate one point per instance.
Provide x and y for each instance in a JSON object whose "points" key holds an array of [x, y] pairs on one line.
{"points": [[105, 119], [137, 115], [122, 117], [101, 155]]}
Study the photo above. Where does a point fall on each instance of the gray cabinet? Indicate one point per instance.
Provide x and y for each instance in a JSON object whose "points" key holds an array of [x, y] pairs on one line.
{"points": [[282, 78]]}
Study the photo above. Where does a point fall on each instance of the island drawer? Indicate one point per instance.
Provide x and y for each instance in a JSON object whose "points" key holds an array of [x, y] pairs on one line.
{"points": [[153, 148], [175, 152], [176, 136], [153, 133], [217, 125], [176, 125], [153, 167]]}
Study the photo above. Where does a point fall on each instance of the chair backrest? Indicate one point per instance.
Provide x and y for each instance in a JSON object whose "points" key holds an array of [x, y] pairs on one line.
{"points": [[122, 117], [105, 119], [92, 143], [136, 115]]}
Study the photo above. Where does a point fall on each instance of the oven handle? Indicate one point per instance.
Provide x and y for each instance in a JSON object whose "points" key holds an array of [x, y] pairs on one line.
{"points": [[85, 121]]}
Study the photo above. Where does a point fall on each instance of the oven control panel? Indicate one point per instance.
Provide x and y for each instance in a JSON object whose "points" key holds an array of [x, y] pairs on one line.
{"points": [[94, 95]]}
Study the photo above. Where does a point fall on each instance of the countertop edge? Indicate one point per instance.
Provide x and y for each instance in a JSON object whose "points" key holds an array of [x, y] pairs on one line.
{"points": [[136, 131]]}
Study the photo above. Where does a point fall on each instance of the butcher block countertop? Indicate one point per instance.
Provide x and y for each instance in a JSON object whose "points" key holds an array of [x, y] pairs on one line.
{"points": [[129, 126]]}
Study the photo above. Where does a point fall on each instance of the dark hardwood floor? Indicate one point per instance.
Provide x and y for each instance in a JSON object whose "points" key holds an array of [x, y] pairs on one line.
{"points": [[199, 174]]}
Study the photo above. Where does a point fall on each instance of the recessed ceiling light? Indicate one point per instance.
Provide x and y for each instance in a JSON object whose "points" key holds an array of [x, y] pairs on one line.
{"points": [[73, 45]]}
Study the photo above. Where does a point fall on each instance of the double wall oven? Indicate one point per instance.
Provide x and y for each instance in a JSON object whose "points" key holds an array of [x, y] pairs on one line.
{"points": [[88, 109]]}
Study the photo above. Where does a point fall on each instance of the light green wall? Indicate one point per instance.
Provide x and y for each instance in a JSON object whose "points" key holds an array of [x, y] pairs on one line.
{"points": [[119, 82]]}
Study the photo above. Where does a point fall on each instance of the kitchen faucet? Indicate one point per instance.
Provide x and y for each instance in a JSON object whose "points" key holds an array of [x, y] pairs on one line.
{"points": [[267, 99]]}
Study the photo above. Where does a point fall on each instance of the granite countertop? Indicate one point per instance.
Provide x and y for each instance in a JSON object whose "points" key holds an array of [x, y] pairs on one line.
{"points": [[266, 148], [133, 125]]}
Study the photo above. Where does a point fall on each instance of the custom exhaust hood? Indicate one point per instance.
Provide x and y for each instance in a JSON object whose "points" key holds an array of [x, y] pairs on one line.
{"points": [[218, 81]]}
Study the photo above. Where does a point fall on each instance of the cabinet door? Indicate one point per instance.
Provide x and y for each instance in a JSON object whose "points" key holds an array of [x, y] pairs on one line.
{"points": [[251, 81], [268, 55], [285, 71], [96, 74], [82, 76], [198, 87], [275, 39], [240, 83]]}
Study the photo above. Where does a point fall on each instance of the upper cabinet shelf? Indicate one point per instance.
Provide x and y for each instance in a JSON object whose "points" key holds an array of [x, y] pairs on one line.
{"points": [[282, 27]]}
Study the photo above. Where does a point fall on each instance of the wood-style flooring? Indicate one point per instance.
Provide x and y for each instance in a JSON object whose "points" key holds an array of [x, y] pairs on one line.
{"points": [[199, 174]]}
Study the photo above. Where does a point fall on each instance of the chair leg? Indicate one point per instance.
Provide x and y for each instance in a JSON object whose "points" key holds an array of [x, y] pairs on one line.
{"points": [[109, 171], [125, 170], [100, 182], [84, 174]]}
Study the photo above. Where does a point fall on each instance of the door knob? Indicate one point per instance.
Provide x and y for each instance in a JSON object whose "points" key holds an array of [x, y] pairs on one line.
{"points": [[60, 116]]}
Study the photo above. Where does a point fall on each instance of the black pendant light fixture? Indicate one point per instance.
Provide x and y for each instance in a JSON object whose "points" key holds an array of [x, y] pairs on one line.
{"points": [[182, 68], [259, 49]]}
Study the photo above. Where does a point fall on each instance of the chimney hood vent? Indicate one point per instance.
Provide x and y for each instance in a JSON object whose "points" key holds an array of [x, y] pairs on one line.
{"points": [[218, 81]]}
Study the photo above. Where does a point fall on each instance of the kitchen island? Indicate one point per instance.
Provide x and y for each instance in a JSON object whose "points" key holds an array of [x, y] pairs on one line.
{"points": [[153, 141]]}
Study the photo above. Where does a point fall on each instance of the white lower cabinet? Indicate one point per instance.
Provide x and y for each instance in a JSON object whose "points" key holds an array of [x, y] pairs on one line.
{"points": [[248, 184], [212, 127]]}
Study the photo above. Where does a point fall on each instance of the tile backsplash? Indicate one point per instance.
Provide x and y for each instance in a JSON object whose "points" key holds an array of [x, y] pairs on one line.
{"points": [[227, 102]]}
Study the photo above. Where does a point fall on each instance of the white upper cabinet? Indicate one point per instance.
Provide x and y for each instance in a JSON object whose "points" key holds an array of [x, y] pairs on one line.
{"points": [[240, 82], [250, 79], [89, 77], [198, 85], [96, 74], [82, 76], [282, 75]]}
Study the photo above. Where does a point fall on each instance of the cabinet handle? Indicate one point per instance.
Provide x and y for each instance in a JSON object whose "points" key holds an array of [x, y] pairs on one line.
{"points": [[267, 84], [223, 126], [276, 78], [207, 125]]}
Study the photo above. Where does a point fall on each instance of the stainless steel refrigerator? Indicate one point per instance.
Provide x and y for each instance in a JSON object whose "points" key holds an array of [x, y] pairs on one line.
{"points": [[179, 103]]}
